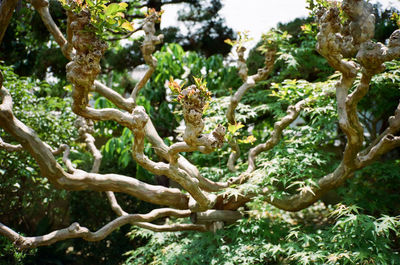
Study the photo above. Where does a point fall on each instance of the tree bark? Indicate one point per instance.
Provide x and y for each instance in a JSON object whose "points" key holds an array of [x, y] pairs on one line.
{"points": [[6, 10]]}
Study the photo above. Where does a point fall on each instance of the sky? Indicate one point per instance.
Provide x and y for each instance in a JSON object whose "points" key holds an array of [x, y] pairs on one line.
{"points": [[257, 16]]}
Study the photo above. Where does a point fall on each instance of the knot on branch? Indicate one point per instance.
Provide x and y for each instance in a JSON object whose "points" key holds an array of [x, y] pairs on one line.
{"points": [[362, 22], [140, 118], [84, 126], [394, 40], [372, 56], [394, 121], [74, 227], [193, 102], [85, 66], [150, 39], [328, 44], [217, 136], [337, 40], [23, 243], [263, 73]]}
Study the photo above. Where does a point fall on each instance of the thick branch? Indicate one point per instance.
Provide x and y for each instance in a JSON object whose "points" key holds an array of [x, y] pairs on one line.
{"points": [[80, 180], [152, 136], [215, 216], [334, 47], [386, 144], [170, 170], [122, 103]]}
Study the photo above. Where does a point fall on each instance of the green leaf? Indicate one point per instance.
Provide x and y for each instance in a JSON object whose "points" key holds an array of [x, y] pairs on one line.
{"points": [[112, 9], [232, 128], [128, 26]]}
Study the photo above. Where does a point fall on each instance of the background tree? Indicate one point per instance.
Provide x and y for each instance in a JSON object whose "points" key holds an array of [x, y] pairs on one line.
{"points": [[28, 43]]}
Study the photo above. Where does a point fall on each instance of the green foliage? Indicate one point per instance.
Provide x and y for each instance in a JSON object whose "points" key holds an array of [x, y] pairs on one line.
{"points": [[342, 236], [378, 106], [31, 205], [345, 234], [24, 193], [375, 188], [174, 64], [103, 16], [296, 55], [28, 47], [9, 254]]}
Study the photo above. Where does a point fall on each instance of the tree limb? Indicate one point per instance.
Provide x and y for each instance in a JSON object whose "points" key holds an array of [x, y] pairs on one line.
{"points": [[148, 47], [10, 147], [249, 82], [76, 231], [42, 7]]}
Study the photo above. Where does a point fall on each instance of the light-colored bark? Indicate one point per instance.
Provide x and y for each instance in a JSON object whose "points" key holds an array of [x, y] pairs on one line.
{"points": [[10, 147], [249, 82], [338, 43], [148, 47], [77, 231]]}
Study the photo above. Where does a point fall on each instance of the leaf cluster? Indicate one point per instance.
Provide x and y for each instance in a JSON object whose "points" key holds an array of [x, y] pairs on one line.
{"points": [[103, 16]]}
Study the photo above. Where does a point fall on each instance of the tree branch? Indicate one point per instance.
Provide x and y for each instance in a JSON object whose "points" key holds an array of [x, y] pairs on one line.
{"points": [[172, 227], [249, 82], [79, 179], [10, 147], [42, 7], [148, 47], [6, 10], [76, 231], [292, 114]]}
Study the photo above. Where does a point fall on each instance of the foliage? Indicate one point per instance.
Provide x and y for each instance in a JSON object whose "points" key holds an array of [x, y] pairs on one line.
{"points": [[27, 45], [182, 66], [297, 57], [363, 229], [242, 38], [321, 234], [102, 16], [345, 236], [24, 194]]}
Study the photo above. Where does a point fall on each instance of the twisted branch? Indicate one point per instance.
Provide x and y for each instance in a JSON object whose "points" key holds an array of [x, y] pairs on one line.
{"points": [[77, 231], [249, 82]]}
